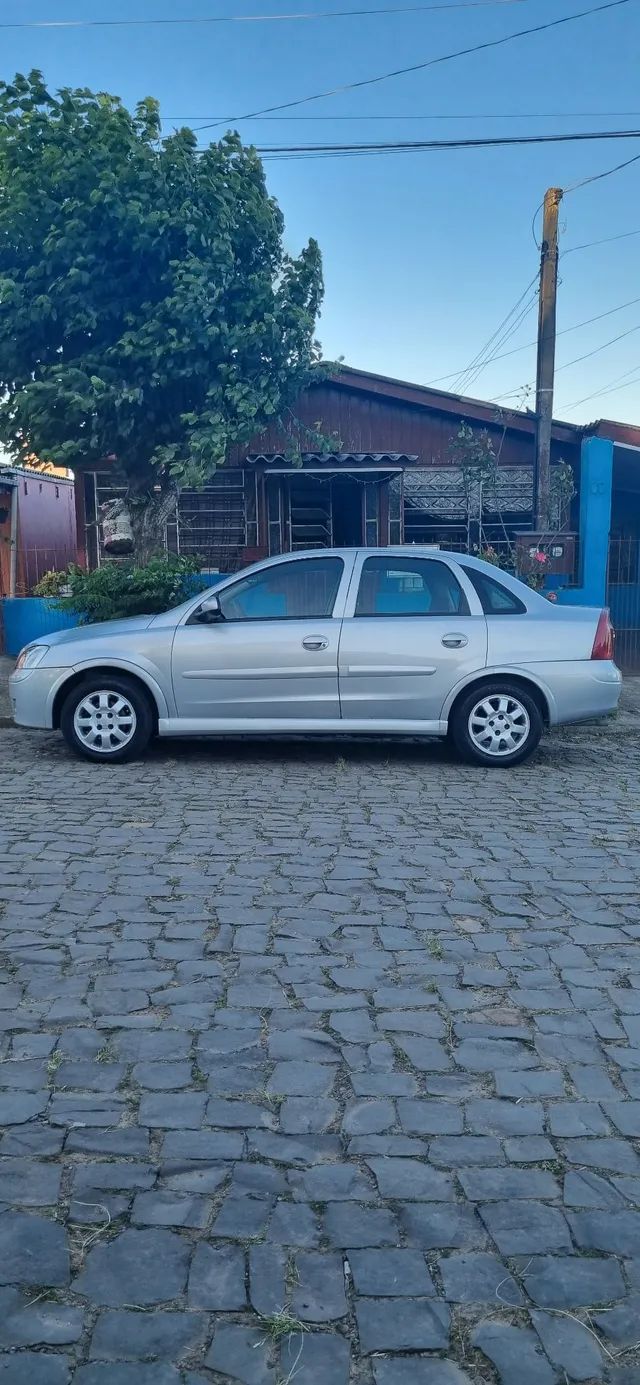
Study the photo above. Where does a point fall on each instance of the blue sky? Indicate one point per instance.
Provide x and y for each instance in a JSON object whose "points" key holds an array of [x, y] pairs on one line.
{"points": [[424, 254]]}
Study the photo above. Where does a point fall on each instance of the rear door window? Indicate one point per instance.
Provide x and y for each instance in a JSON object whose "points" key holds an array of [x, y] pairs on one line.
{"points": [[396, 586]]}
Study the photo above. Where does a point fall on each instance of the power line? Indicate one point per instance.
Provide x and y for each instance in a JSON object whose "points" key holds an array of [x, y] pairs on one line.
{"points": [[253, 18], [595, 177], [408, 115], [465, 377], [508, 394], [271, 152], [428, 62], [606, 240], [607, 389], [574, 328]]}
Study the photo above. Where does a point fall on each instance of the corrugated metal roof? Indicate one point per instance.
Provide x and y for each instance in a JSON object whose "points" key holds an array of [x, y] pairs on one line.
{"points": [[333, 458]]}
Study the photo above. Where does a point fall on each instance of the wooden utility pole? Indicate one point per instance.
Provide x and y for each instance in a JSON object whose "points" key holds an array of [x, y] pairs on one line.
{"points": [[546, 355]]}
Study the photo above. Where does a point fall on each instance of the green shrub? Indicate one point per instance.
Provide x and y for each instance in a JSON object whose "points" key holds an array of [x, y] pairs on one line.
{"points": [[51, 583], [116, 590]]}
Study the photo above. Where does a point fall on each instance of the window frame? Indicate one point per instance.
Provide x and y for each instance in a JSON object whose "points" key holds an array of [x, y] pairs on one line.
{"points": [[287, 560], [520, 608], [407, 557]]}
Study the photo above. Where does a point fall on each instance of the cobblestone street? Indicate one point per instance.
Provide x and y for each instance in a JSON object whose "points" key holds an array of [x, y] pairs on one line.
{"points": [[320, 1065]]}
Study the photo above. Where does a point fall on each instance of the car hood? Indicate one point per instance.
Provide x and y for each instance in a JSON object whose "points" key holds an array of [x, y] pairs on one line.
{"points": [[81, 633]]}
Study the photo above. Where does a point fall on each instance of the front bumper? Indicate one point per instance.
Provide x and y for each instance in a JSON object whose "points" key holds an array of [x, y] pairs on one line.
{"points": [[32, 694]]}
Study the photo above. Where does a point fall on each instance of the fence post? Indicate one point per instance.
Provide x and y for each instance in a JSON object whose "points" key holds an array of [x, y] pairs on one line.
{"points": [[596, 480]]}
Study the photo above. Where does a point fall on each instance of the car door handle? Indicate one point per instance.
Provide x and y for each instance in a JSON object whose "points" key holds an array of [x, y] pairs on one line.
{"points": [[454, 641], [315, 642]]}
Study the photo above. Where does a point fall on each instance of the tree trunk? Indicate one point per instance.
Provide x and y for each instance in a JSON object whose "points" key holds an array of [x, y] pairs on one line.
{"points": [[136, 525]]}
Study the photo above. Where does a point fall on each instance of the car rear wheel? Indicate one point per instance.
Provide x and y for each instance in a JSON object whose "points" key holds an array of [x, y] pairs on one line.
{"points": [[499, 725], [107, 718]]}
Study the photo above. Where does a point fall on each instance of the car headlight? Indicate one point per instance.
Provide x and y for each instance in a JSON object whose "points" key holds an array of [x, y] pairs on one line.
{"points": [[31, 655]]}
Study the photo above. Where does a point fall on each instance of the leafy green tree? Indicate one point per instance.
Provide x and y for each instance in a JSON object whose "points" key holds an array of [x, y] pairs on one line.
{"points": [[150, 316]]}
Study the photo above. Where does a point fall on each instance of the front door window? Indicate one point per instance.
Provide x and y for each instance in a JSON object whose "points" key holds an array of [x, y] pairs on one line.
{"points": [[302, 590]]}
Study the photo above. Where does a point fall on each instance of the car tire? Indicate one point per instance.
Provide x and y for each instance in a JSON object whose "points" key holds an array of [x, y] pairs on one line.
{"points": [[498, 724], [107, 717]]}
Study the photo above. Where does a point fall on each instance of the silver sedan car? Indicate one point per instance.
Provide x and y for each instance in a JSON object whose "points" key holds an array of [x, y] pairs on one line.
{"points": [[394, 641]]}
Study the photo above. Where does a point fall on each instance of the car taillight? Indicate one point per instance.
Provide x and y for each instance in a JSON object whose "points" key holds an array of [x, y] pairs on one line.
{"points": [[603, 642]]}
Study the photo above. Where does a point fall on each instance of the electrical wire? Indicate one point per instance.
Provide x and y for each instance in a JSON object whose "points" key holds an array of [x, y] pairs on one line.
{"points": [[428, 62], [408, 115], [606, 240], [574, 328], [465, 377], [595, 177], [585, 357], [272, 152], [252, 18], [607, 389]]}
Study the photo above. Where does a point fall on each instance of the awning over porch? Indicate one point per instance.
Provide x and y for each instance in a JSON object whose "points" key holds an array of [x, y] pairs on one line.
{"points": [[385, 463]]}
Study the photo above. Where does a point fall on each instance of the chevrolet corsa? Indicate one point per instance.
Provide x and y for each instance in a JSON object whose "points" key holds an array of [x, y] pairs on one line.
{"points": [[394, 641]]}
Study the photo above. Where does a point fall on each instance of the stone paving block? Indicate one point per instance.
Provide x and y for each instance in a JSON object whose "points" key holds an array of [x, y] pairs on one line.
{"points": [[34, 1368], [294, 1224], [217, 1278], [318, 1294], [402, 1324], [540, 1082], [478, 1278], [616, 1155], [18, 1107], [588, 1189], [126, 1373], [301, 1115], [415, 1370], [330, 1183], [124, 1335], [242, 1218], [164, 1208], [426, 1055], [410, 1179], [28, 1183], [321, 1358], [491, 1055], [439, 1226], [525, 1227], [348, 1224], [240, 1353], [391, 1274], [576, 1119], [368, 1117], [570, 1347], [138, 1267], [267, 1276], [502, 1185], [515, 1352], [561, 1282], [491, 1117], [529, 1149], [462, 1151], [420, 1117], [24, 1323], [625, 1116], [33, 1250]]}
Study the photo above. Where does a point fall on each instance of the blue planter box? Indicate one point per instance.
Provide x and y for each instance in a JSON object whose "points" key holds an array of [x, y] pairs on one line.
{"points": [[28, 618]]}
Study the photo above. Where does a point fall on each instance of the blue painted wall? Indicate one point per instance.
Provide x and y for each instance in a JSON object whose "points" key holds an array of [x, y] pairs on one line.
{"points": [[596, 479], [27, 618]]}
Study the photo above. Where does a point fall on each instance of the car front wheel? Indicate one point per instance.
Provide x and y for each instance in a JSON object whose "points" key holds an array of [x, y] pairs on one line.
{"points": [[107, 718], [499, 725]]}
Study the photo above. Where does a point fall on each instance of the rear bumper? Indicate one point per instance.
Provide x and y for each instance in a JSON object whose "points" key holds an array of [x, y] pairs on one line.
{"points": [[578, 689]]}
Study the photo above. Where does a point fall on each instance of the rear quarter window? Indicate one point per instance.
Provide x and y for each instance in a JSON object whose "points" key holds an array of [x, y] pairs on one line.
{"points": [[496, 600]]}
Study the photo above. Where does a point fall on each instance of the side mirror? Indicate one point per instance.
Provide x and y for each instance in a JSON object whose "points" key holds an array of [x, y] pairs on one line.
{"points": [[210, 611]]}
